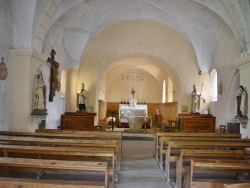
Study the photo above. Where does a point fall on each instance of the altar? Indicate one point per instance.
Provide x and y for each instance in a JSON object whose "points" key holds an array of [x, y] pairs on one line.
{"points": [[133, 114]]}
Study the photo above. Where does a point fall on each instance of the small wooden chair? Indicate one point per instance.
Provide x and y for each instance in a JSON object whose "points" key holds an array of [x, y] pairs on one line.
{"points": [[222, 129], [111, 122], [173, 126]]}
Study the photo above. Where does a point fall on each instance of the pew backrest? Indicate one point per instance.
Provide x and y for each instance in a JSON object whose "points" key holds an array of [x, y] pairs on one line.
{"points": [[8, 182], [159, 135], [206, 165], [187, 154], [174, 148], [59, 153], [56, 165]]}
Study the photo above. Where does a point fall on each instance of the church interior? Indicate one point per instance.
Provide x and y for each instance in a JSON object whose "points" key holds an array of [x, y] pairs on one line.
{"points": [[137, 71]]}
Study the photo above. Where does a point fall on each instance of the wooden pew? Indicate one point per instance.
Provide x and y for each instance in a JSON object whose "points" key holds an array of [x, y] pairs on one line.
{"points": [[62, 142], [160, 135], [165, 140], [93, 134], [214, 166], [64, 134], [237, 185], [8, 182], [56, 131], [56, 165], [16, 140], [174, 148], [59, 153], [187, 154]]}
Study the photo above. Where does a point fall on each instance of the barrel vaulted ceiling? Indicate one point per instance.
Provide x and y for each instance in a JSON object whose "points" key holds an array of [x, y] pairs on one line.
{"points": [[196, 24], [199, 22]]}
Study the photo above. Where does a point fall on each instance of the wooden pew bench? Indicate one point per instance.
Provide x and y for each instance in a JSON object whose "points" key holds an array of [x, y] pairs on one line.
{"points": [[103, 133], [56, 165], [174, 148], [165, 140], [62, 153], [160, 135], [63, 142], [87, 144], [237, 185], [187, 154], [67, 134], [70, 134], [8, 182], [209, 166]]}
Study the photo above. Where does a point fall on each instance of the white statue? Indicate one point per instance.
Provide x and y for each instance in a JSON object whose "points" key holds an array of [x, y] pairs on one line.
{"points": [[82, 99], [39, 92], [195, 100], [241, 102]]}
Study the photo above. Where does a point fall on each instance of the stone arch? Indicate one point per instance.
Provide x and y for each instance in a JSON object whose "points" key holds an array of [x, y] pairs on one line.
{"points": [[240, 24], [43, 24]]}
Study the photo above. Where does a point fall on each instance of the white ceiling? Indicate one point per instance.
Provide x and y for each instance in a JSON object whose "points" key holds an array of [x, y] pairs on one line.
{"points": [[195, 21]]}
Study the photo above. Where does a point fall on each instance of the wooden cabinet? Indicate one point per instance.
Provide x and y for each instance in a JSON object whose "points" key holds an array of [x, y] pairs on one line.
{"points": [[77, 121], [197, 123], [233, 128]]}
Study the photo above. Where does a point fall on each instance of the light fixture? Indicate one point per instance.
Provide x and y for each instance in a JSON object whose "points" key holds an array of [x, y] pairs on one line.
{"points": [[132, 75]]}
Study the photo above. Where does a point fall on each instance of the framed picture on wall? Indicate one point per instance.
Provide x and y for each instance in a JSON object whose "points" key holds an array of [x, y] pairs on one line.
{"points": [[184, 109]]}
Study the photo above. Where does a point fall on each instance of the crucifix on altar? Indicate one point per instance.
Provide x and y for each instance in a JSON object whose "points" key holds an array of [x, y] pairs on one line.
{"points": [[133, 92]]}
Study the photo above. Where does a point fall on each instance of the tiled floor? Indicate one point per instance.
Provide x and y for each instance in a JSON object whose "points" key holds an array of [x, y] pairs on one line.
{"points": [[139, 169]]}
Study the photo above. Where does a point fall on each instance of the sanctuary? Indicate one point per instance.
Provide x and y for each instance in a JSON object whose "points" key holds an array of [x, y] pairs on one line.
{"points": [[133, 114]]}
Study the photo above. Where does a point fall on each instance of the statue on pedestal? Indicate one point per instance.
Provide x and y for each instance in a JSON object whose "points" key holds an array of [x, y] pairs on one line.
{"points": [[39, 112], [39, 102], [241, 111], [82, 99], [241, 99], [194, 100]]}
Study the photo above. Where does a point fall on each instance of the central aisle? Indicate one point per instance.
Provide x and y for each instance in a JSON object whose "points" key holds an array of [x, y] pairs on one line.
{"points": [[139, 169]]}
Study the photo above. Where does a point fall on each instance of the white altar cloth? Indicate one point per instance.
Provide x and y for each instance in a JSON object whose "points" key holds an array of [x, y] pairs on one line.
{"points": [[135, 115]]}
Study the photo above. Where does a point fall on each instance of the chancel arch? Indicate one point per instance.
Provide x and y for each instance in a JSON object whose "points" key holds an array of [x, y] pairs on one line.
{"points": [[169, 49]]}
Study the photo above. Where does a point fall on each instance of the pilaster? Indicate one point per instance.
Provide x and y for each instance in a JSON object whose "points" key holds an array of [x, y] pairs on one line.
{"points": [[24, 63]]}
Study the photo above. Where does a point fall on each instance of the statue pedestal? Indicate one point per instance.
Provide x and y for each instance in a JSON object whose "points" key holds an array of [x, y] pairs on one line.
{"points": [[242, 120], [39, 117]]}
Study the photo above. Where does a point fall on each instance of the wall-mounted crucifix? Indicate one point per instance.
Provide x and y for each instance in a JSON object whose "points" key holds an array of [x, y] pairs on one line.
{"points": [[53, 74]]}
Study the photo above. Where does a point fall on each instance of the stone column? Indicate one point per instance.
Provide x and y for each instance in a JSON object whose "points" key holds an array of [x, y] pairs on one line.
{"points": [[24, 66]]}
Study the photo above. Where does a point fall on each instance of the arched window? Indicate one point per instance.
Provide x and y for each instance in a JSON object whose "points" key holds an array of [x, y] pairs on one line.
{"points": [[213, 85], [63, 84], [170, 90], [164, 92]]}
